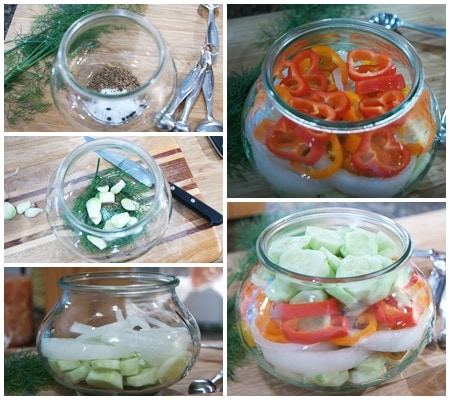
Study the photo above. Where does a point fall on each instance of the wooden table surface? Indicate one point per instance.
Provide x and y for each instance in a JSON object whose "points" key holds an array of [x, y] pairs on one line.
{"points": [[243, 54], [210, 361], [191, 163], [426, 376], [183, 28]]}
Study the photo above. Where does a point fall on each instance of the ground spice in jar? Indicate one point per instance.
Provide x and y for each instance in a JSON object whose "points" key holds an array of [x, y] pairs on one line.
{"points": [[114, 80]]}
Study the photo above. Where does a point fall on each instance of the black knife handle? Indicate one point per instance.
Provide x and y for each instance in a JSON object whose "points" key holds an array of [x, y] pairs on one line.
{"points": [[217, 142], [211, 215]]}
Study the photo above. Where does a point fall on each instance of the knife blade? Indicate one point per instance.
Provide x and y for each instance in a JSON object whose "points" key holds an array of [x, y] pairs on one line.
{"points": [[217, 143], [139, 173]]}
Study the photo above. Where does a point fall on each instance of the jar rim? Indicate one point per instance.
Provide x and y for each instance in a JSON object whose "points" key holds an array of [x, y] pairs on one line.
{"points": [[135, 281], [344, 213], [99, 144], [93, 18], [327, 25]]}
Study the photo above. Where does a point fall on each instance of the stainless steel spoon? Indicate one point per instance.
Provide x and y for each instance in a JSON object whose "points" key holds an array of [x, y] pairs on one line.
{"points": [[392, 21], [203, 386], [209, 124], [167, 123]]}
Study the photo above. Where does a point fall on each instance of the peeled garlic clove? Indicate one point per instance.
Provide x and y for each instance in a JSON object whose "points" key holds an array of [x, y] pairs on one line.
{"points": [[24, 206], [10, 210], [118, 187], [33, 211]]}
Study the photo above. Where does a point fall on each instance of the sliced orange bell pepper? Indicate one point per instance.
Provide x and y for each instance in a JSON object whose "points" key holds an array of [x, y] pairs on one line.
{"points": [[353, 337], [330, 60]]}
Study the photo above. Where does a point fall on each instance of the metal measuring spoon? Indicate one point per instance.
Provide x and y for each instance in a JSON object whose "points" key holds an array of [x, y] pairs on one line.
{"points": [[203, 386], [392, 21], [442, 337], [167, 123], [182, 125], [209, 124]]}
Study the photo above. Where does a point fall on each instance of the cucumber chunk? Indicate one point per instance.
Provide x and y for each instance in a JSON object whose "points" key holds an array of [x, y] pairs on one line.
{"points": [[105, 364], [148, 376], [359, 243], [132, 366], [104, 379], [306, 262], [66, 365], [321, 237], [78, 374]]}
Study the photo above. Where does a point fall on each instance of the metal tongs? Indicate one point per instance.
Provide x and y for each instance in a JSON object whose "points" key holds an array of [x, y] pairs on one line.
{"points": [[191, 86]]}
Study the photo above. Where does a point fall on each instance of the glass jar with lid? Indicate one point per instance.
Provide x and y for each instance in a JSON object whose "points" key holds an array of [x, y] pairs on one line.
{"points": [[341, 109], [335, 304], [118, 333]]}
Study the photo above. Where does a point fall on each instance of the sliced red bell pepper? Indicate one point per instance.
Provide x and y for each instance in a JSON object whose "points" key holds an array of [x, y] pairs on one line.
{"points": [[338, 326], [300, 310], [365, 63], [379, 154], [380, 84], [381, 103], [394, 314], [313, 108], [335, 156], [308, 63], [294, 81], [293, 142], [337, 100]]}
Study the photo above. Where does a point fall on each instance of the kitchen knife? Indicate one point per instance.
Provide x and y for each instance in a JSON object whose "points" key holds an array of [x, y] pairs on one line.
{"points": [[217, 142], [142, 175]]}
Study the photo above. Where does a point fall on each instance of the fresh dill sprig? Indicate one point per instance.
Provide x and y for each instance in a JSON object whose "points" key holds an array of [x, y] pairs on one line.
{"points": [[24, 374], [133, 190], [27, 64], [240, 83]]}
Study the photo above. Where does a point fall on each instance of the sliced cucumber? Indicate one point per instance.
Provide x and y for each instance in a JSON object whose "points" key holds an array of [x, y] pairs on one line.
{"points": [[105, 379], [66, 365], [279, 246], [386, 246], [309, 296], [359, 242], [320, 237], [148, 376], [306, 262], [78, 374]]}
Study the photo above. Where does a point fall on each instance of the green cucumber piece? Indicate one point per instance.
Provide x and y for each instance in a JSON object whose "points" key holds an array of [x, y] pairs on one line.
{"points": [[306, 262], [333, 260], [359, 243], [386, 246], [282, 289], [105, 364], [309, 296], [66, 365], [148, 376], [104, 379], [321, 237], [281, 245], [78, 374], [131, 366]]}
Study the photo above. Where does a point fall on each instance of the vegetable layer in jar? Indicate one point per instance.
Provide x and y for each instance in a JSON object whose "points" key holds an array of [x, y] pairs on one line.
{"points": [[340, 120], [340, 333]]}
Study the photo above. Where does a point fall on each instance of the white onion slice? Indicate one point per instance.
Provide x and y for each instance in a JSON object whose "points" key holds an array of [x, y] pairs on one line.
{"points": [[362, 186], [309, 359]]}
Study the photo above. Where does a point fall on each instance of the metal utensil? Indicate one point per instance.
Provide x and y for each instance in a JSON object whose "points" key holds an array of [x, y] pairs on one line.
{"points": [[143, 176], [212, 33], [442, 337], [393, 22], [167, 122], [182, 125], [209, 124], [203, 386], [443, 129]]}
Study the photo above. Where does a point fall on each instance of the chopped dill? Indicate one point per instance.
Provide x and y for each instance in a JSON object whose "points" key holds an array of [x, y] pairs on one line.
{"points": [[25, 374], [132, 190], [27, 65]]}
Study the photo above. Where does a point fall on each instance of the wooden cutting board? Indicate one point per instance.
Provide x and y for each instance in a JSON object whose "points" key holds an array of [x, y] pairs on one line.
{"points": [[183, 28], [188, 238]]}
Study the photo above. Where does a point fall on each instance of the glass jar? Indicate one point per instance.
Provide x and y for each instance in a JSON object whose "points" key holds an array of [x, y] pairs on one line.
{"points": [[131, 205], [112, 72], [118, 333], [335, 304], [315, 153]]}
